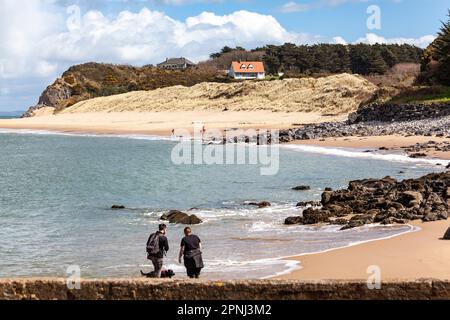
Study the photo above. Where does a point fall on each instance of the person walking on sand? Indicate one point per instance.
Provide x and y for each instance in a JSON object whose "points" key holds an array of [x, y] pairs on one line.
{"points": [[203, 132], [157, 247], [190, 250]]}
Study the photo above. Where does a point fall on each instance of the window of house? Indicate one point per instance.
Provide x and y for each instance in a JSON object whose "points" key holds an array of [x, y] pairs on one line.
{"points": [[250, 67], [243, 67]]}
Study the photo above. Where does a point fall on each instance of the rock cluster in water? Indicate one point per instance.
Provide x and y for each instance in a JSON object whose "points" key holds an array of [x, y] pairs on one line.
{"points": [[178, 217], [385, 201], [260, 205]]}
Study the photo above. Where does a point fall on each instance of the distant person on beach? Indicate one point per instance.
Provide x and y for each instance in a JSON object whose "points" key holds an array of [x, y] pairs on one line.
{"points": [[203, 132], [190, 250], [157, 247], [173, 132]]}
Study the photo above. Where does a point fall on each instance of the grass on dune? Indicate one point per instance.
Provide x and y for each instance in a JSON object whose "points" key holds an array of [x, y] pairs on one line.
{"points": [[434, 94]]}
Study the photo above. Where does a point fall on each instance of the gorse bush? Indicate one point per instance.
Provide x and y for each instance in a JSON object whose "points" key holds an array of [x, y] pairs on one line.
{"points": [[436, 58]]}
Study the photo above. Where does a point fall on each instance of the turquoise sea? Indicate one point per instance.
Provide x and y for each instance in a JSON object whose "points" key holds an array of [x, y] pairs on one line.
{"points": [[56, 191]]}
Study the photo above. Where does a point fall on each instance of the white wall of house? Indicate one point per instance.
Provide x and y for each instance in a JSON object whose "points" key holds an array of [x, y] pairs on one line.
{"points": [[247, 76]]}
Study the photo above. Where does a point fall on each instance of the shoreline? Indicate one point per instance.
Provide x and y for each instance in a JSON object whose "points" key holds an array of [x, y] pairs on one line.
{"points": [[294, 259], [162, 123], [395, 144], [337, 148], [429, 259]]}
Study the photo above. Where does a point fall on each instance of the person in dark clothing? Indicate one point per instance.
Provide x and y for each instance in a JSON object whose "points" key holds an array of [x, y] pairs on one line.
{"points": [[190, 250], [157, 246]]}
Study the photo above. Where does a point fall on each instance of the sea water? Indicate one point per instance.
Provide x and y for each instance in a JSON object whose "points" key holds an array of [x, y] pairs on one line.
{"points": [[56, 191]]}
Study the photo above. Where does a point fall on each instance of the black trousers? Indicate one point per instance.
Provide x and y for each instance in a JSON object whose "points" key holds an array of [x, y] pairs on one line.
{"points": [[194, 272]]}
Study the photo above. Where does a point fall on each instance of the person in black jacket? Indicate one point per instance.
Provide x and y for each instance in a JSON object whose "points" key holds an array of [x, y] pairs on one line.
{"points": [[157, 256], [191, 246]]}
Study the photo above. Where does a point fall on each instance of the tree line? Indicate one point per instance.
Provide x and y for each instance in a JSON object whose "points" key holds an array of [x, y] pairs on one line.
{"points": [[362, 59], [327, 58], [436, 58]]}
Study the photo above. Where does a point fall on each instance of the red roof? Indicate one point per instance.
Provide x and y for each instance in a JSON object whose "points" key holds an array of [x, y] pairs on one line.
{"points": [[247, 66]]}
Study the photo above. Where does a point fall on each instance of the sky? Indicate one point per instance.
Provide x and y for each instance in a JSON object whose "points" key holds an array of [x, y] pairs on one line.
{"points": [[40, 39]]}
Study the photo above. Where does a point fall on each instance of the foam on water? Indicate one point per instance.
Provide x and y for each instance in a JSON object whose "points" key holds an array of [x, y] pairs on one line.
{"points": [[340, 152], [356, 153], [86, 134]]}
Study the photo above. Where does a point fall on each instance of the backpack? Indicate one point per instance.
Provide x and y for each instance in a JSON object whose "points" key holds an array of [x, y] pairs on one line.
{"points": [[153, 245]]}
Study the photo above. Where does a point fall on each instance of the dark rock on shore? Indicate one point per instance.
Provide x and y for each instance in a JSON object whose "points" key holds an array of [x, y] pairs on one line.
{"points": [[178, 217], [309, 204], [399, 112], [447, 235], [385, 201], [262, 204], [418, 155], [380, 120], [302, 188], [312, 216], [117, 207], [293, 220]]}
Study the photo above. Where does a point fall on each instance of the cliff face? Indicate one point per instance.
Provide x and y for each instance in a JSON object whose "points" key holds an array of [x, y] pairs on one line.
{"points": [[91, 80]]}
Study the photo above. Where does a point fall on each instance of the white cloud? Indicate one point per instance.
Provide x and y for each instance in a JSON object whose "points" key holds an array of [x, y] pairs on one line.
{"points": [[372, 38], [33, 41], [339, 40], [293, 6], [36, 44], [22, 26]]}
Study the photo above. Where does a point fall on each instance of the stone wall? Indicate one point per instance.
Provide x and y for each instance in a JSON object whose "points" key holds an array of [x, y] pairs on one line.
{"points": [[398, 113], [143, 289]]}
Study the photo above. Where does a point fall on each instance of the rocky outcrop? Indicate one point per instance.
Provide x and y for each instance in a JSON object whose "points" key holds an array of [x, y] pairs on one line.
{"points": [[447, 235], [429, 146], [90, 80], [178, 217], [379, 120], [439, 127], [385, 201], [399, 112], [52, 97]]}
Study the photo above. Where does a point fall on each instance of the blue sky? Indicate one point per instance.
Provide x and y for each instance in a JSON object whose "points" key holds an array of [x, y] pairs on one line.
{"points": [[39, 39], [400, 18]]}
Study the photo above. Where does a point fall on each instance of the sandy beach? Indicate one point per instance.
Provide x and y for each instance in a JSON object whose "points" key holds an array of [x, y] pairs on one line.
{"points": [[419, 254], [415, 255], [162, 123]]}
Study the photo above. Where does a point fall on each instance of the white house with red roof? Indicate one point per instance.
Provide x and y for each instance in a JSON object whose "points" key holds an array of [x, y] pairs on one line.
{"points": [[247, 70]]}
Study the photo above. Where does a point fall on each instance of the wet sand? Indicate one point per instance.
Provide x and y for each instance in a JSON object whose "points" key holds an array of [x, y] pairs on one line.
{"points": [[411, 256]]}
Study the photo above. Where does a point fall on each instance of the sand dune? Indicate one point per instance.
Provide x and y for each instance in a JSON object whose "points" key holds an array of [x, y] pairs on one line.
{"points": [[337, 94]]}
